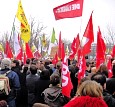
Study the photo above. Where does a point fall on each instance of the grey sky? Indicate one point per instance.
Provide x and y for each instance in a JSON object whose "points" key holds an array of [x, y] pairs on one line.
{"points": [[42, 10]]}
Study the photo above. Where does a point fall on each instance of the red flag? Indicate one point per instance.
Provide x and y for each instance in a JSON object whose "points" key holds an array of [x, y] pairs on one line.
{"points": [[88, 37], [101, 48], [74, 47], [82, 67], [60, 46], [8, 51], [37, 54], [24, 57], [20, 55], [66, 81], [28, 51], [109, 66], [69, 10], [113, 52], [55, 59]]}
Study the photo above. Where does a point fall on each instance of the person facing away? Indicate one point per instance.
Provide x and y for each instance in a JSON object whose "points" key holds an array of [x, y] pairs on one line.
{"points": [[110, 84], [101, 79], [31, 80], [13, 80], [89, 94], [42, 83], [53, 95]]}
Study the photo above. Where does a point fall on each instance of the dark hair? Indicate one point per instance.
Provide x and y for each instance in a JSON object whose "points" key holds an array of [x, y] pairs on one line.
{"points": [[55, 79], [45, 74], [113, 70], [100, 78], [16, 62], [33, 69], [28, 61]]}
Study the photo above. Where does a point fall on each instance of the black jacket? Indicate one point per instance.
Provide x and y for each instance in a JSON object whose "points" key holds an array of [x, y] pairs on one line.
{"points": [[110, 101]]}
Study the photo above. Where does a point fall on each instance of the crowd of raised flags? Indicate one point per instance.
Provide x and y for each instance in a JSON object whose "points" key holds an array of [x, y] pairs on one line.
{"points": [[80, 48]]}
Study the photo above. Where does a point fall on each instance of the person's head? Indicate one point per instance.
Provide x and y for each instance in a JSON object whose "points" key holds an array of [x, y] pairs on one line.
{"points": [[59, 65], [15, 63], [103, 69], [54, 79], [28, 61], [84, 79], [6, 63], [90, 88], [45, 74], [99, 78], [33, 69]]}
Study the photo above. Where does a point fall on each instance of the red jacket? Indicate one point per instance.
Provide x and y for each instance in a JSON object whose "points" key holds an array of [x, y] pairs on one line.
{"points": [[86, 101]]}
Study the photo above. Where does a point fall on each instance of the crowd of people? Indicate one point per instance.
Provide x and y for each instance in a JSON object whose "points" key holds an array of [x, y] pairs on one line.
{"points": [[38, 84]]}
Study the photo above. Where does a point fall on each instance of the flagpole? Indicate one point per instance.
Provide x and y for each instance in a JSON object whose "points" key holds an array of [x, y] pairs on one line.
{"points": [[12, 26]]}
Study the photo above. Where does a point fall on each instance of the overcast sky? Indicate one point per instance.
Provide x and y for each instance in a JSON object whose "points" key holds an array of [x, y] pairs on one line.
{"points": [[42, 10]]}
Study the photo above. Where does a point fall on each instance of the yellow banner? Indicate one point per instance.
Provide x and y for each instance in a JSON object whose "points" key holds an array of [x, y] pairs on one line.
{"points": [[25, 28]]}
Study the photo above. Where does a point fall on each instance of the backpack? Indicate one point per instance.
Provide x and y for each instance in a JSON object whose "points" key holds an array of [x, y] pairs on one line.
{"points": [[4, 84]]}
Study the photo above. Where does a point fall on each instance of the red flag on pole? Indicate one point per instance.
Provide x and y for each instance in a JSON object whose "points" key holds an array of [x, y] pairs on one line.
{"points": [[66, 81], [28, 51], [82, 66], [113, 52], [101, 48], [55, 59], [109, 66], [74, 47], [8, 51], [88, 37], [69, 10], [20, 55]]}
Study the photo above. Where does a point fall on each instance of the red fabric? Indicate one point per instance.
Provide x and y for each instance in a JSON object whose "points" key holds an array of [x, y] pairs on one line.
{"points": [[66, 81], [101, 48], [69, 10], [20, 55], [74, 47], [82, 67], [37, 54], [88, 36], [8, 51], [55, 59], [109, 66], [86, 101], [28, 51]]}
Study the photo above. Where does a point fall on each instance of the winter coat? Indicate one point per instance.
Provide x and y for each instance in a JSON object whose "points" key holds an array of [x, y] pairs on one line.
{"points": [[110, 101], [53, 97], [110, 85], [30, 83], [14, 83], [86, 101], [40, 86]]}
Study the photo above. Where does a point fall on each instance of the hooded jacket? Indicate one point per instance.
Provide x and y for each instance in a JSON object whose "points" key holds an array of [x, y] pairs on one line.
{"points": [[53, 97], [86, 101]]}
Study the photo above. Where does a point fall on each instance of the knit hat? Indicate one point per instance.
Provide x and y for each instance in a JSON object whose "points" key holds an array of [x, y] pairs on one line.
{"points": [[5, 63]]}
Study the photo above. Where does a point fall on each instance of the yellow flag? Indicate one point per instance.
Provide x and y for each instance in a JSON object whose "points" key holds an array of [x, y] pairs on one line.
{"points": [[33, 48], [43, 40], [25, 28], [1, 48]]}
